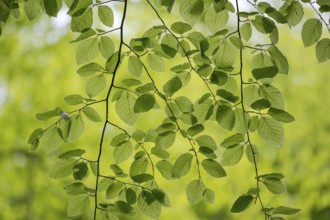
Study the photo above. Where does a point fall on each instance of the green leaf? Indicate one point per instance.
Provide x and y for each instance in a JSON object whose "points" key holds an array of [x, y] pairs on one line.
{"points": [[165, 168], [51, 140], [227, 95], [89, 69], [156, 62], [113, 190], [78, 205], [123, 207], [253, 123], [196, 129], [263, 67], [226, 55], [119, 139], [106, 15], [77, 127], [219, 77], [213, 168], [107, 47], [191, 10], [161, 197], [237, 42], [49, 114], [87, 50], [260, 104], [271, 131], [83, 22], [194, 191], [72, 153], [131, 197], [246, 31], [134, 66], [62, 168], [172, 86], [32, 9], [182, 165], [232, 155], [80, 171], [139, 166], [209, 196], [95, 85], [73, 99], [232, 140], [273, 95], [263, 24], [242, 203], [75, 188], [184, 104], [141, 178], [51, 7], [280, 115], [165, 140], [283, 210], [92, 114], [279, 59], [252, 156], [323, 50], [311, 31], [216, 21], [163, 154], [149, 205], [123, 152], [144, 103], [206, 141], [274, 185], [293, 11], [84, 35], [34, 138], [225, 117], [180, 27]]}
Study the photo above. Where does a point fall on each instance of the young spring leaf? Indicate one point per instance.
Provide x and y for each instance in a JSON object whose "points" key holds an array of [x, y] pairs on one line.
{"points": [[80, 171], [51, 140], [161, 197], [107, 47], [77, 127], [92, 114], [139, 166], [209, 196], [280, 115], [49, 114], [172, 86], [113, 190], [134, 66], [144, 103], [82, 22], [75, 188], [323, 50], [106, 15], [73, 99], [260, 104], [78, 205], [149, 205], [184, 104], [180, 27], [124, 108], [191, 10], [232, 155], [194, 191], [165, 140], [252, 154], [279, 59], [242, 203], [156, 62], [165, 168], [123, 152], [213, 168], [232, 140], [283, 210], [311, 31], [274, 185], [196, 129], [246, 31], [182, 165], [87, 50], [225, 117], [72, 153], [62, 168], [271, 131], [89, 69], [95, 85], [51, 7], [206, 141]]}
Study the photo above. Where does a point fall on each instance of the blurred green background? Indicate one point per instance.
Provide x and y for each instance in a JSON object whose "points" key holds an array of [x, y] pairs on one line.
{"points": [[37, 69]]}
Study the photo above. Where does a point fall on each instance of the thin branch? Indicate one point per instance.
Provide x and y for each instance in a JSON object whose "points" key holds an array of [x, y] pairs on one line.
{"points": [[107, 109], [243, 108]]}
